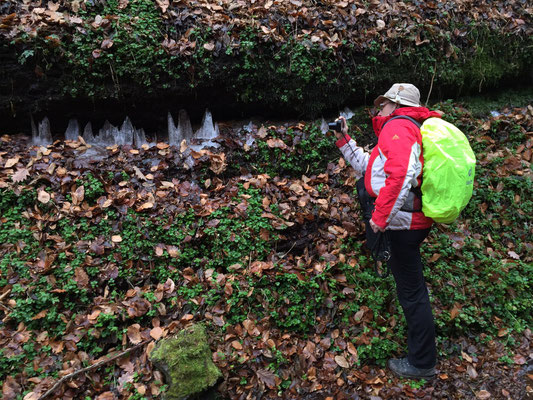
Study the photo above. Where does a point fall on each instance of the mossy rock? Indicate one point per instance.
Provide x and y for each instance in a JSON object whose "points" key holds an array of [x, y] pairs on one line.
{"points": [[185, 359]]}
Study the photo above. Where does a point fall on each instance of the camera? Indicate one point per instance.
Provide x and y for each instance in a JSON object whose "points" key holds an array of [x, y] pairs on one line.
{"points": [[335, 126]]}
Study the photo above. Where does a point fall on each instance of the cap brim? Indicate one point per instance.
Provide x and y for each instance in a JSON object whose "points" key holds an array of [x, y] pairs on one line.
{"points": [[379, 100]]}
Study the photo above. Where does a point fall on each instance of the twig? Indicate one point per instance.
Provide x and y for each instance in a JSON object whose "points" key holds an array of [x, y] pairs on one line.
{"points": [[284, 255], [98, 364], [431, 87], [3, 295]]}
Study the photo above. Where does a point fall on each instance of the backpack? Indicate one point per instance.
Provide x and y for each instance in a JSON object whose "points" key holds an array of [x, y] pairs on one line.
{"points": [[449, 167]]}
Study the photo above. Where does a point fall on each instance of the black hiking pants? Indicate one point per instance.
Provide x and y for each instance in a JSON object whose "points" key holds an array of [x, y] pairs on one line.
{"points": [[406, 266]]}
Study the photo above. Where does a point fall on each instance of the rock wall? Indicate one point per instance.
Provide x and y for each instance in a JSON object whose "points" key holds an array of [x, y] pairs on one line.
{"points": [[298, 58]]}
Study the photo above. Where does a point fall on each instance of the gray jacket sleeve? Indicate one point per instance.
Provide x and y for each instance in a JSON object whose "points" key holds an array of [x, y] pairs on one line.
{"points": [[355, 155]]}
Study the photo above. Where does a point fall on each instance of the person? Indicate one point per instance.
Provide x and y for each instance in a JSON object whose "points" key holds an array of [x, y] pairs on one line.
{"points": [[392, 175]]}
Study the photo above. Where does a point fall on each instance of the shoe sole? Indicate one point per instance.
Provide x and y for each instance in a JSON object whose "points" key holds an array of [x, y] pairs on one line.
{"points": [[408, 376]]}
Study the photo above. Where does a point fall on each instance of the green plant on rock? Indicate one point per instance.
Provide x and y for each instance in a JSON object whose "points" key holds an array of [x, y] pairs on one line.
{"points": [[117, 44], [93, 188], [308, 152]]}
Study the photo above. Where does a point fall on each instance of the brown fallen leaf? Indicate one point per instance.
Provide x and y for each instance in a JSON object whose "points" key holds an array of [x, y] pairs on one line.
{"points": [[471, 371], [20, 175], [296, 188], [187, 317], [519, 359], [156, 332], [11, 388], [145, 206], [43, 196], [106, 44], [341, 361], [466, 357], [40, 315], [81, 277], [173, 251], [32, 396], [78, 195], [267, 377], [163, 5], [276, 143], [483, 395], [218, 163], [236, 345], [454, 312], [106, 396], [139, 173], [134, 333], [12, 161]]}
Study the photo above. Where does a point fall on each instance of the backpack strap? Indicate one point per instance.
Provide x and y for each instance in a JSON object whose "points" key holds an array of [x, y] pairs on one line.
{"points": [[414, 121]]}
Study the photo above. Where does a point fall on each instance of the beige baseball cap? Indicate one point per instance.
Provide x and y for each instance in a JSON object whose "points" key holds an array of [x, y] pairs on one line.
{"points": [[405, 94]]}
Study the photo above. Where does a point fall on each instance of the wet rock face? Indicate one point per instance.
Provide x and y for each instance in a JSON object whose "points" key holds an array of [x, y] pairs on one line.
{"points": [[186, 362]]}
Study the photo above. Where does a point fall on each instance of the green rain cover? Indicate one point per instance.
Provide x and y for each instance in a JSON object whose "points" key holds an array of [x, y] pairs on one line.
{"points": [[448, 174]]}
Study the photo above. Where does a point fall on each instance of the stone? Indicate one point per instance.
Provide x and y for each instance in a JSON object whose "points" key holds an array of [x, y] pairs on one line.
{"points": [[186, 362]]}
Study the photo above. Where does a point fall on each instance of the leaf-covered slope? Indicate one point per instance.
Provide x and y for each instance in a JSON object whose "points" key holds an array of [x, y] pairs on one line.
{"points": [[264, 245]]}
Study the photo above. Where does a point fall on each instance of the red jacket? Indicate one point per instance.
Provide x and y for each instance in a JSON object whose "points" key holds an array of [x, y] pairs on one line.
{"points": [[392, 168]]}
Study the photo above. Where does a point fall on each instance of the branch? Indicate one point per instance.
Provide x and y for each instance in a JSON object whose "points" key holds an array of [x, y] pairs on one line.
{"points": [[94, 366], [432, 79]]}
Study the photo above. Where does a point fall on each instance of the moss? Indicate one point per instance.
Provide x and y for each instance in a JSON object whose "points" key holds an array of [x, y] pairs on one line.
{"points": [[186, 362], [295, 75], [481, 106]]}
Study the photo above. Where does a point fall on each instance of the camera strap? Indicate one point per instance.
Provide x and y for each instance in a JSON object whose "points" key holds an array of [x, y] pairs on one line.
{"points": [[378, 243], [381, 253]]}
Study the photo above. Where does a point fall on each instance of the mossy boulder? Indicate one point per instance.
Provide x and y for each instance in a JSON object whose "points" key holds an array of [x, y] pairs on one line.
{"points": [[185, 359]]}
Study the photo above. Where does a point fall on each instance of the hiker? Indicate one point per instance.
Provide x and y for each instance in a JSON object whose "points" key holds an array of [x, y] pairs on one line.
{"points": [[392, 175]]}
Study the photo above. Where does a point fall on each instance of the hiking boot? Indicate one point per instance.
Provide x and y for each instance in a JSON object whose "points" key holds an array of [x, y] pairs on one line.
{"points": [[403, 369]]}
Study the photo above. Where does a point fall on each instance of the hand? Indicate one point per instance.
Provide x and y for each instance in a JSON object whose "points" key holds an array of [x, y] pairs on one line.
{"points": [[375, 227], [344, 130]]}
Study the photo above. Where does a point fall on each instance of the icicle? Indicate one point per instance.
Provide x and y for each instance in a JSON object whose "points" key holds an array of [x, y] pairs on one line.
{"points": [[184, 127], [173, 133], [34, 131], [206, 133], [73, 130], [139, 138], [88, 134], [207, 130], [126, 132], [324, 128], [42, 135], [250, 140], [347, 113], [107, 134], [249, 128]]}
